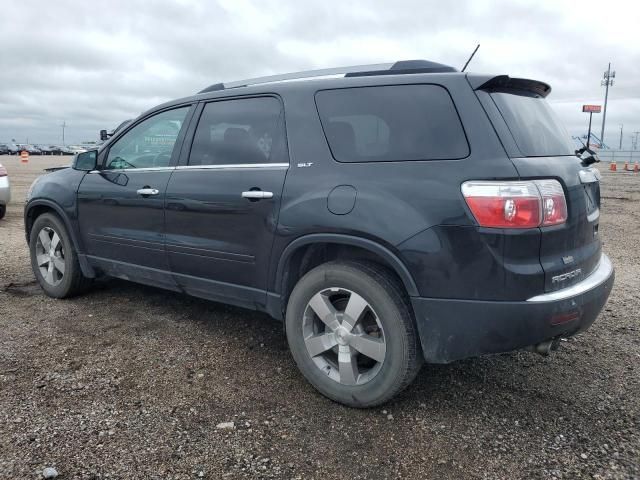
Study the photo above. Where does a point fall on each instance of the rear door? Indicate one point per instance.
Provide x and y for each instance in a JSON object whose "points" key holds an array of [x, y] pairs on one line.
{"points": [[223, 201], [541, 148], [121, 205]]}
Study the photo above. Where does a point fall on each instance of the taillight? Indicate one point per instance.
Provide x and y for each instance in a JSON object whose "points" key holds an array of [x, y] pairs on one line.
{"points": [[516, 204], [3, 171], [554, 205]]}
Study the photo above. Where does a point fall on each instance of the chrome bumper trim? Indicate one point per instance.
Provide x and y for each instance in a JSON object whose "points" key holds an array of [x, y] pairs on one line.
{"points": [[597, 277]]}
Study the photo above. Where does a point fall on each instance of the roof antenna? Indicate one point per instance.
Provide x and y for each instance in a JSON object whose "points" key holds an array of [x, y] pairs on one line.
{"points": [[474, 52]]}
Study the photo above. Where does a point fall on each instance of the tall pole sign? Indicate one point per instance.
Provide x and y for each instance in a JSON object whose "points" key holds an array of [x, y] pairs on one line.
{"points": [[606, 82], [591, 109]]}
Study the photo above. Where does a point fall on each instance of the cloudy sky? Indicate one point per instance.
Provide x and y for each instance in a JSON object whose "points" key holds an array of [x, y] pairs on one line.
{"points": [[94, 64]]}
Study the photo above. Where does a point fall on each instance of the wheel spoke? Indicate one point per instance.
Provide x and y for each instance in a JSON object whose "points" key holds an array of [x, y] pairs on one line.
{"points": [[354, 310], [42, 259], [347, 365], [58, 264], [49, 278], [370, 346], [322, 307], [318, 344], [55, 240], [44, 239]]}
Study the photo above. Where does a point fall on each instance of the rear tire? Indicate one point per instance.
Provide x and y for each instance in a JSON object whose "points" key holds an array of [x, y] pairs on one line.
{"points": [[54, 260], [365, 349], [3, 211]]}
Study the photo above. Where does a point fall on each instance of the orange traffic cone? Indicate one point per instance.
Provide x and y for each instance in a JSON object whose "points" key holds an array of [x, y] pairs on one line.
{"points": [[626, 166], [613, 167], [636, 167], [24, 156]]}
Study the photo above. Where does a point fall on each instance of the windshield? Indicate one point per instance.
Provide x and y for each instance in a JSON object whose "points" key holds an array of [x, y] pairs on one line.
{"points": [[534, 126]]}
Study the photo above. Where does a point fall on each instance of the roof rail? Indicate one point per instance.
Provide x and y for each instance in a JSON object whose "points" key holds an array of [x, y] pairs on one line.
{"points": [[397, 68]]}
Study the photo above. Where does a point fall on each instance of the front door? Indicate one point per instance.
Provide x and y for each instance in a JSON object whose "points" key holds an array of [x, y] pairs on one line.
{"points": [[121, 205], [222, 206]]}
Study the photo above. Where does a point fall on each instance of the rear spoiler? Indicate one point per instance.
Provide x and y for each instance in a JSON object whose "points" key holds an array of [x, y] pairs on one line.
{"points": [[505, 82]]}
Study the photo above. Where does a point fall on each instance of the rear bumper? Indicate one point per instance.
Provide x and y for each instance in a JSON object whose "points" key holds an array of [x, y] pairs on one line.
{"points": [[453, 329]]}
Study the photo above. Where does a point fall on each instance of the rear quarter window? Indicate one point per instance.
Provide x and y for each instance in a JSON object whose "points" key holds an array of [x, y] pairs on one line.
{"points": [[533, 124], [391, 123]]}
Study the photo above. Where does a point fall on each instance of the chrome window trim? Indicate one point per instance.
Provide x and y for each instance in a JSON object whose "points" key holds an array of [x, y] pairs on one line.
{"points": [[601, 274], [195, 167], [232, 166], [146, 169]]}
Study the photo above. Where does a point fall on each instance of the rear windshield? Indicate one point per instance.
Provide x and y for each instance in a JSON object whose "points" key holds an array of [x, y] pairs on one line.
{"points": [[534, 126], [391, 123]]}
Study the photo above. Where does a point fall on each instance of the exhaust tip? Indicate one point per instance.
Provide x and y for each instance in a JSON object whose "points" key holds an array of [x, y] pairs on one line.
{"points": [[546, 347]]}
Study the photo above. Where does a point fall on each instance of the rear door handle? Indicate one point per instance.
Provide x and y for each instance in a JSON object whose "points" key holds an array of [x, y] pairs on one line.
{"points": [[257, 194], [148, 191]]}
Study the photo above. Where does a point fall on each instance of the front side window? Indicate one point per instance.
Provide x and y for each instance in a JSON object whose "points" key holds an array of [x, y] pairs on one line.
{"points": [[391, 123], [240, 131], [149, 144]]}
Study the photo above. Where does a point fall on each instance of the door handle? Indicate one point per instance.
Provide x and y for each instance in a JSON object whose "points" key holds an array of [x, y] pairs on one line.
{"points": [[257, 194], [148, 191]]}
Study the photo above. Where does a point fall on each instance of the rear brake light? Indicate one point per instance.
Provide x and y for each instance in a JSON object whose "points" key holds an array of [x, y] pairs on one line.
{"points": [[554, 205], [516, 204], [3, 171]]}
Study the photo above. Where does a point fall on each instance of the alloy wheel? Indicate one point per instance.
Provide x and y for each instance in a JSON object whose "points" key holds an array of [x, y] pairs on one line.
{"points": [[343, 336], [50, 256]]}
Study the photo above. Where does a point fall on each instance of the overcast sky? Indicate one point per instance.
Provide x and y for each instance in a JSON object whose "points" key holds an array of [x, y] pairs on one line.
{"points": [[94, 64]]}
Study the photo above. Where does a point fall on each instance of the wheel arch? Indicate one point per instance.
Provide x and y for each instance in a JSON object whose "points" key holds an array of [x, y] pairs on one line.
{"points": [[386, 257], [35, 208]]}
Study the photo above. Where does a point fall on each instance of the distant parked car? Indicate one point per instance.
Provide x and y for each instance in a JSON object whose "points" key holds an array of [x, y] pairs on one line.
{"points": [[45, 149], [31, 149], [61, 150], [55, 150], [4, 149], [5, 190], [75, 149], [13, 149], [66, 150]]}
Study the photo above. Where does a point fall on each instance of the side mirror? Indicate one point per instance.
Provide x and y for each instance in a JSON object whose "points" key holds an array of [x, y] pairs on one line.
{"points": [[86, 161], [103, 135]]}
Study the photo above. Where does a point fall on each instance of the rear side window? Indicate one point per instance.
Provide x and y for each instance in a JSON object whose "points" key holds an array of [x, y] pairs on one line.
{"points": [[241, 131], [534, 126], [391, 123]]}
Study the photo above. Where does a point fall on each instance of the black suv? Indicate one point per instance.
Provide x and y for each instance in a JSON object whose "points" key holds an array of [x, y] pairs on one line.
{"points": [[389, 214]]}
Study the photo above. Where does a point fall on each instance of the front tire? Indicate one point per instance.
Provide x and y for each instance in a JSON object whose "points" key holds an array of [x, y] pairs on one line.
{"points": [[53, 258], [351, 332], [3, 211]]}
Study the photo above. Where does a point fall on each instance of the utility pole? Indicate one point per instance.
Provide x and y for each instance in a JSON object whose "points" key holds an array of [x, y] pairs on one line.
{"points": [[64, 125], [621, 127], [634, 140], [606, 82]]}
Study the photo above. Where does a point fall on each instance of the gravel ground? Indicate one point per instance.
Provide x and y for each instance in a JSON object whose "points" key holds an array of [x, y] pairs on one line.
{"points": [[134, 382]]}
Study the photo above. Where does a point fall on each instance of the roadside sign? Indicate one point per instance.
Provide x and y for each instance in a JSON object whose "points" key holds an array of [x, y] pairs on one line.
{"points": [[24, 156], [591, 108]]}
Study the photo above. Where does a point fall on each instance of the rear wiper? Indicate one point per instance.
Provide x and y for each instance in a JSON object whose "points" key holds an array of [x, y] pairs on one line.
{"points": [[587, 156]]}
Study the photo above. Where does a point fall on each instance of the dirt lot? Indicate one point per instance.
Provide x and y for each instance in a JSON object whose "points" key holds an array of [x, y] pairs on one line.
{"points": [[130, 382]]}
